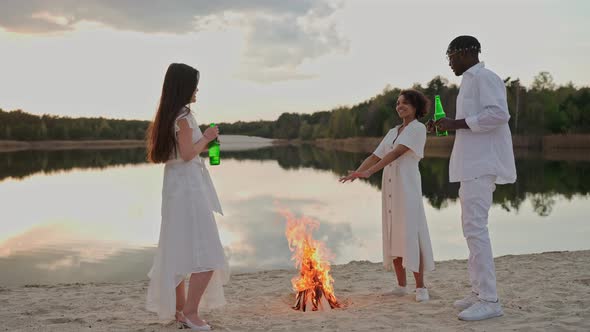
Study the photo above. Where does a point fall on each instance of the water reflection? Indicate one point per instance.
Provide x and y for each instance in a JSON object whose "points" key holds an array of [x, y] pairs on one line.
{"points": [[101, 221], [261, 241], [21, 164], [60, 253], [539, 180]]}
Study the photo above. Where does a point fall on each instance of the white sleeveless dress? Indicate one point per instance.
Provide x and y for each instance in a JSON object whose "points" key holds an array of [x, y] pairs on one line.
{"points": [[189, 239], [405, 230]]}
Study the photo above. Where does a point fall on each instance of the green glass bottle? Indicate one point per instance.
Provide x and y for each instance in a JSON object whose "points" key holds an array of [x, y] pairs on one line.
{"points": [[214, 158], [439, 113]]}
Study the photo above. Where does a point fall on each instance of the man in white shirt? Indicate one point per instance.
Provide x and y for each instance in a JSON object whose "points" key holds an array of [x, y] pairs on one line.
{"points": [[482, 157]]}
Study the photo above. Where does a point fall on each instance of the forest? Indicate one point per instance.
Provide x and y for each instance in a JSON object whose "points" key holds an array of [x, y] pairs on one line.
{"points": [[541, 109]]}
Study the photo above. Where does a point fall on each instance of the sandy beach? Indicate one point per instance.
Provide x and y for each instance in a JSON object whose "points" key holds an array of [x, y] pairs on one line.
{"points": [[540, 292]]}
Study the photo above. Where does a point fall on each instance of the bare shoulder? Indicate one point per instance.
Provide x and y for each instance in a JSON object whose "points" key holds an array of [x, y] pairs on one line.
{"points": [[183, 123], [187, 114]]}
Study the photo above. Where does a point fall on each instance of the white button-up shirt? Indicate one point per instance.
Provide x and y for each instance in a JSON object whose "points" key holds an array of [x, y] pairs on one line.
{"points": [[486, 147]]}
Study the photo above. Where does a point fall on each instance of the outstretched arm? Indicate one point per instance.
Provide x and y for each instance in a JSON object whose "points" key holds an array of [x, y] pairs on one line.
{"points": [[389, 158], [367, 163]]}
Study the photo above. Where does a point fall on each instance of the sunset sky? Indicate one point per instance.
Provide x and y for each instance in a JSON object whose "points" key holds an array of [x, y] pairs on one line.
{"points": [[259, 59]]}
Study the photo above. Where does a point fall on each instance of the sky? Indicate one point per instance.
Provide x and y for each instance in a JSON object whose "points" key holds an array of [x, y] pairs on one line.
{"points": [[260, 58]]}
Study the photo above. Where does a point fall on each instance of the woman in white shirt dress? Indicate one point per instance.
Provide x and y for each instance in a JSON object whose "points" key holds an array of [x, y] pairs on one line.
{"points": [[406, 241], [189, 240]]}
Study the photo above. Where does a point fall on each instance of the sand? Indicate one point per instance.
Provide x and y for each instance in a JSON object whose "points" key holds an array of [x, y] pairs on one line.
{"points": [[548, 291]]}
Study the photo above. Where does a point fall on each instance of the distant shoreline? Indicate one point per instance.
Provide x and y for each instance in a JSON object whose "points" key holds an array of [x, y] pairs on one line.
{"points": [[560, 145], [553, 147], [229, 143], [11, 146]]}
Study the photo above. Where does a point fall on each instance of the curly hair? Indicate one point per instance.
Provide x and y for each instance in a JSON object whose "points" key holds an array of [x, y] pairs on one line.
{"points": [[418, 100]]}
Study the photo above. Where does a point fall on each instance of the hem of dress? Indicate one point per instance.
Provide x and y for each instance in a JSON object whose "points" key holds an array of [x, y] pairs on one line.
{"points": [[389, 267], [203, 271], [151, 307]]}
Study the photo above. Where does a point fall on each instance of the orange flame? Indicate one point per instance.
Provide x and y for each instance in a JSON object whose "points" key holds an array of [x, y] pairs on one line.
{"points": [[311, 257]]}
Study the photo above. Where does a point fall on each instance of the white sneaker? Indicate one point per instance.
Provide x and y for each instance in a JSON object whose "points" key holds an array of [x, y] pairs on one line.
{"points": [[397, 291], [422, 295], [466, 302], [482, 310]]}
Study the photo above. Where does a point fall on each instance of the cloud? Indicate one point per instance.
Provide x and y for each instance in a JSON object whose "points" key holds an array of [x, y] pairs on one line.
{"points": [[56, 254], [279, 35], [276, 45], [167, 16]]}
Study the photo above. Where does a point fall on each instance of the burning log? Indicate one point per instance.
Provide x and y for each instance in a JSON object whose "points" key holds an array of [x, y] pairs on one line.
{"points": [[315, 300], [313, 286]]}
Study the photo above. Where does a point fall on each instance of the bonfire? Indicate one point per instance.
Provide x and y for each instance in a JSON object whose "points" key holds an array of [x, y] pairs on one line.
{"points": [[314, 285]]}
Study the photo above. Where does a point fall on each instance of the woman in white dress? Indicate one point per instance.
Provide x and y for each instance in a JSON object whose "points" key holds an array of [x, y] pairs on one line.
{"points": [[189, 240], [406, 242]]}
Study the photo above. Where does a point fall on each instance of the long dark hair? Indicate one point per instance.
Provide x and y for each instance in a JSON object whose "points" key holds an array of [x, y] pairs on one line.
{"points": [[179, 84]]}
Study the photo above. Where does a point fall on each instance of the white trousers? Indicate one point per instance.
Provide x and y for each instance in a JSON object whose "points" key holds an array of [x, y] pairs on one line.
{"points": [[476, 200]]}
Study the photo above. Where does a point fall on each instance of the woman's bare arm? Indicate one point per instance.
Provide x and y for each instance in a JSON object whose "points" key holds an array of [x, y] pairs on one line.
{"points": [[389, 158], [188, 150]]}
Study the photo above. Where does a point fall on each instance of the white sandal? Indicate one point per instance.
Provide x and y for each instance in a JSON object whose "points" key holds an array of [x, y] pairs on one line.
{"points": [[188, 324]]}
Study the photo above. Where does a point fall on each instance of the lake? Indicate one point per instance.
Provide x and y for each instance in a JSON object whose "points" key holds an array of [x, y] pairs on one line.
{"points": [[94, 215]]}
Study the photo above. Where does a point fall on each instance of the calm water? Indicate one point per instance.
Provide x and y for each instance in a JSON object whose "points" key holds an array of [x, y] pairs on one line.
{"points": [[73, 216]]}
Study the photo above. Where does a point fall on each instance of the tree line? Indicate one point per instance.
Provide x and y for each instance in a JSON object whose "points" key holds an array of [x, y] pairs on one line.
{"points": [[22, 126], [543, 108]]}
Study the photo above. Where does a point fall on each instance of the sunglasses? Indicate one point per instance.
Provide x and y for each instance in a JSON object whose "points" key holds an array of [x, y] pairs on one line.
{"points": [[450, 55]]}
